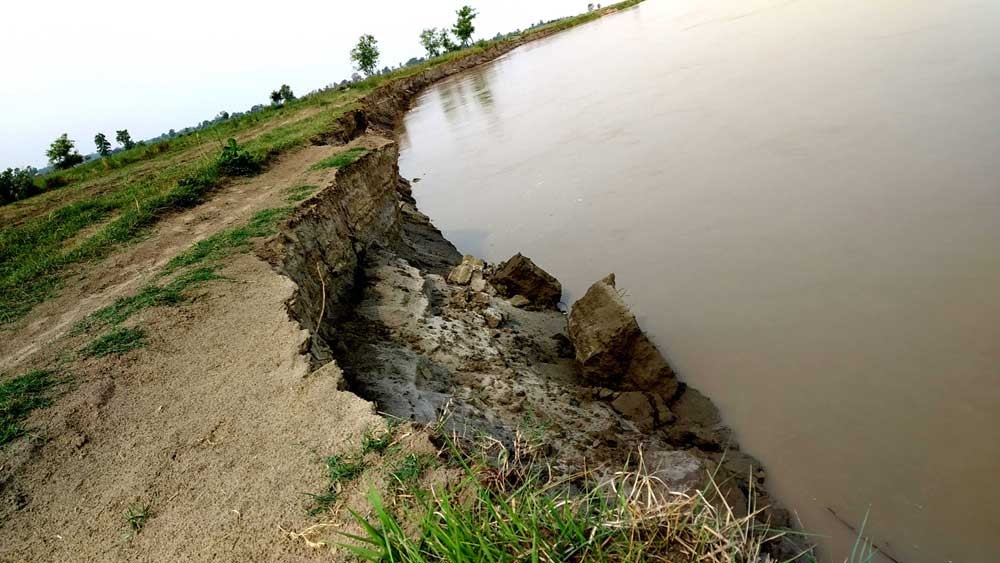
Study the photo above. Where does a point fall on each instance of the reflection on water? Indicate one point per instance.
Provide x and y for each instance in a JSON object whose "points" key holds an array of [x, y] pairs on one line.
{"points": [[802, 198]]}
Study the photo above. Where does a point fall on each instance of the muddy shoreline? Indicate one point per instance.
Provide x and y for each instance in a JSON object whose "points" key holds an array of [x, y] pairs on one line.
{"points": [[373, 292]]}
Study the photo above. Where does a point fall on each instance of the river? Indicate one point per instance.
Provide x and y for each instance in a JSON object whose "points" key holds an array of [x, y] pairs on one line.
{"points": [[802, 199]]}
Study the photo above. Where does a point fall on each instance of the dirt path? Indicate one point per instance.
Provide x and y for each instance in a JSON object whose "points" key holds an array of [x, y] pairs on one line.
{"points": [[124, 272], [214, 417]]}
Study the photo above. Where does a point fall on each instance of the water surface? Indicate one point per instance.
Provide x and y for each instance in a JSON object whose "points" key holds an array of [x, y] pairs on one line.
{"points": [[802, 199]]}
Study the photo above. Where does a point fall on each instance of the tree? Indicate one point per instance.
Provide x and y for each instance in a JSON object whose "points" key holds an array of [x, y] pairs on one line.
{"points": [[17, 183], [286, 93], [124, 139], [463, 28], [62, 154], [365, 54], [430, 39], [103, 145], [446, 43]]}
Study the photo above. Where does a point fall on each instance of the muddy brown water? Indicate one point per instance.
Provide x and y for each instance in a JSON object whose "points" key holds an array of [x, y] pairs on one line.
{"points": [[803, 201]]}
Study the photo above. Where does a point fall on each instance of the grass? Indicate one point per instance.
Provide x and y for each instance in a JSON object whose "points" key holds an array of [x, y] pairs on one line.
{"points": [[341, 469], [136, 517], [299, 193], [342, 159], [370, 443], [151, 296], [507, 509], [201, 254], [223, 243], [34, 254], [408, 470], [21, 395], [118, 341]]}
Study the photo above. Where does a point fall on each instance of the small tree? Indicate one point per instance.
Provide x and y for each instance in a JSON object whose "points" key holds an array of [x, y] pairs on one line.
{"points": [[124, 139], [430, 39], [365, 54], [275, 97], [286, 93], [103, 145], [62, 154], [463, 28], [447, 44]]}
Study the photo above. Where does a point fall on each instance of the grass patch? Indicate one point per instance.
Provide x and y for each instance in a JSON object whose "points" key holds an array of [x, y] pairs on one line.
{"points": [[299, 193], [210, 249], [21, 395], [136, 517], [375, 444], [220, 244], [341, 469], [508, 510], [151, 296], [340, 160], [117, 341], [409, 469]]}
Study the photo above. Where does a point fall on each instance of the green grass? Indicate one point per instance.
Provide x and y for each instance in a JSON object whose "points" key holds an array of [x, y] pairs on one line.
{"points": [[34, 255], [152, 295], [341, 469], [342, 159], [299, 193], [408, 470], [199, 254], [21, 395], [375, 444], [136, 517], [223, 243], [118, 341], [506, 511]]}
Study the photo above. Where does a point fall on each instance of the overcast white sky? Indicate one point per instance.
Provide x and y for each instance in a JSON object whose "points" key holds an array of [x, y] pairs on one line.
{"points": [[81, 67]]}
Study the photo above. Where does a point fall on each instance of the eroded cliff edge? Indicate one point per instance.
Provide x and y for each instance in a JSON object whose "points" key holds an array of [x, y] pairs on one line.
{"points": [[373, 291]]}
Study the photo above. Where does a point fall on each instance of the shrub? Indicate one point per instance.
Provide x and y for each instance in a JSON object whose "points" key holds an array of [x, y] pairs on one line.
{"points": [[54, 181], [237, 161]]}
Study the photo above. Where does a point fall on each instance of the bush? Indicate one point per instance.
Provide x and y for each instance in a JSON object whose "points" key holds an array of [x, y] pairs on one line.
{"points": [[237, 161], [54, 181]]}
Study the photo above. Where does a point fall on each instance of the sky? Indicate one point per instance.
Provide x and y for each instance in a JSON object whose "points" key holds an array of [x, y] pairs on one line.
{"points": [[81, 68]]}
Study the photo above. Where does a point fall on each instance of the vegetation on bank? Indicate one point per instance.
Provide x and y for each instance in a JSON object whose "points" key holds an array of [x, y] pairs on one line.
{"points": [[341, 159], [200, 263], [117, 341], [486, 502], [19, 396]]}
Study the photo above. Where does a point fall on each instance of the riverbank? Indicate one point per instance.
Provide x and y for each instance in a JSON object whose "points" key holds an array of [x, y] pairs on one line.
{"points": [[200, 438]]}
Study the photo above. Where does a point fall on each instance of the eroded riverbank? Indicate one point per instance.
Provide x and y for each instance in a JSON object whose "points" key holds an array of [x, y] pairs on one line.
{"points": [[425, 338], [222, 423]]}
